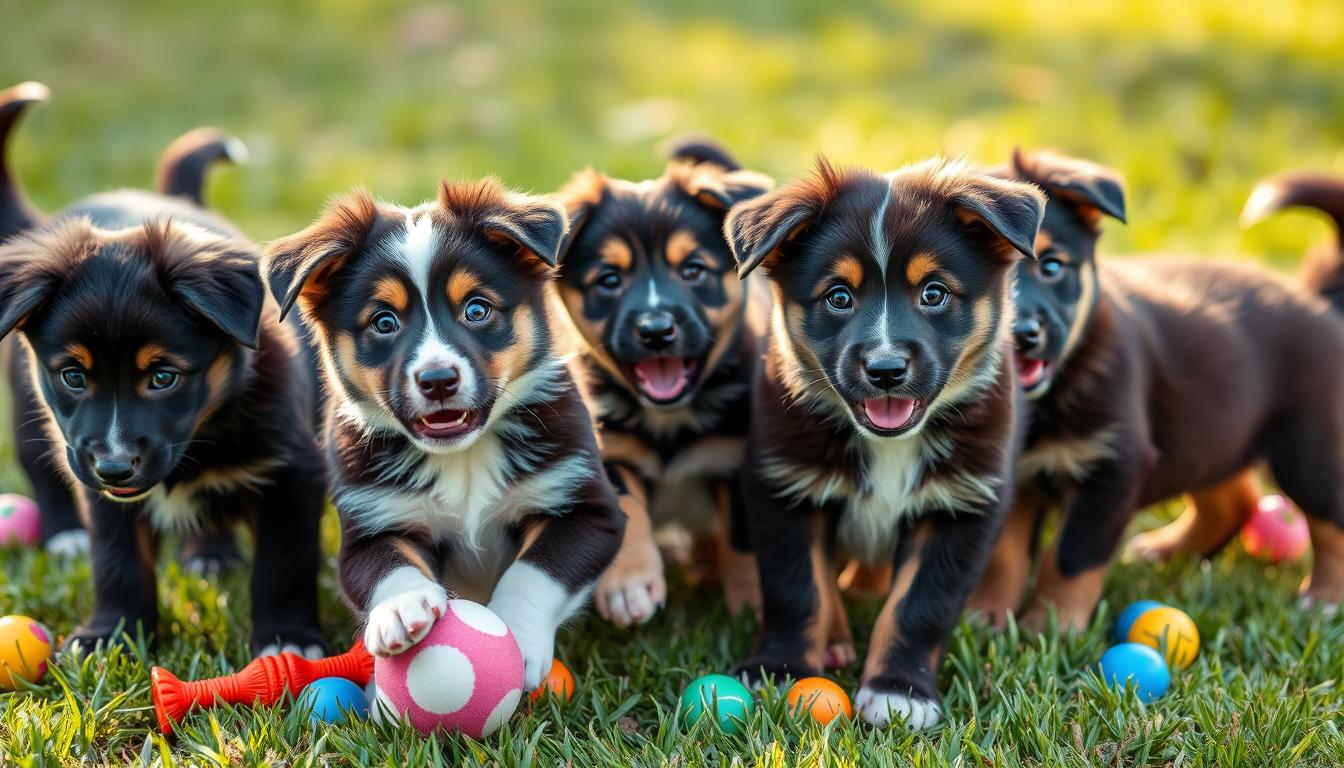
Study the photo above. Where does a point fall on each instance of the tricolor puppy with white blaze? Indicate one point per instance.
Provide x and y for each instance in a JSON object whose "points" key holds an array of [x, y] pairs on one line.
{"points": [[886, 417], [460, 451]]}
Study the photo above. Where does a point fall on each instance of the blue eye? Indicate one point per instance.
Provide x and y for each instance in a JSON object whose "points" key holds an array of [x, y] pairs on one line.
{"points": [[74, 379], [609, 280], [840, 298], [934, 295], [164, 378], [477, 310], [692, 271], [1050, 267], [385, 323]]}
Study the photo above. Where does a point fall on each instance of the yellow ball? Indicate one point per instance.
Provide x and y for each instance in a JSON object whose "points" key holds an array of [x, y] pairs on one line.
{"points": [[25, 649], [1169, 630]]}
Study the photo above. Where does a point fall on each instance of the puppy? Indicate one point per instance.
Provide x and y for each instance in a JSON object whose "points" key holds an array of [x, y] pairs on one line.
{"points": [[1152, 378], [649, 284], [180, 173], [1215, 514], [163, 400], [459, 448], [885, 417]]}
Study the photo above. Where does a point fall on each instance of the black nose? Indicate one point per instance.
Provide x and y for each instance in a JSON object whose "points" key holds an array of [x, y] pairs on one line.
{"points": [[113, 470], [438, 383], [886, 372], [656, 330], [1029, 333]]}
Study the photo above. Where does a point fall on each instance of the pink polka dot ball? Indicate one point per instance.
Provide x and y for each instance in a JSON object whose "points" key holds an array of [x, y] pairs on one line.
{"points": [[465, 676], [19, 521]]}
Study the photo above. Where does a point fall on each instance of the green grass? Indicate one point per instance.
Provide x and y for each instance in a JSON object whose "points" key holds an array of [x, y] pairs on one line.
{"points": [[1192, 101]]}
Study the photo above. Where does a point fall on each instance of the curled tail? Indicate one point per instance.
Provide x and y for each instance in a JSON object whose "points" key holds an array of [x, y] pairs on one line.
{"points": [[1323, 271], [182, 168], [701, 149], [16, 213]]}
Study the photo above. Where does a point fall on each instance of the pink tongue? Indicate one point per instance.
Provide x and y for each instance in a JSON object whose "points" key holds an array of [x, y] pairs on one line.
{"points": [[1031, 371], [662, 378], [888, 412]]}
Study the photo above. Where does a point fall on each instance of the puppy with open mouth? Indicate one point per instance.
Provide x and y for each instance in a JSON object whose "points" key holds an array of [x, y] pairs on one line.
{"points": [[160, 396], [667, 353], [886, 416], [460, 452], [1151, 378]]}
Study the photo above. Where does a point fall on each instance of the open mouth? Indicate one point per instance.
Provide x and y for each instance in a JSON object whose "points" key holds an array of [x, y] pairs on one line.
{"points": [[1031, 373], [121, 493], [664, 379], [891, 414], [448, 423]]}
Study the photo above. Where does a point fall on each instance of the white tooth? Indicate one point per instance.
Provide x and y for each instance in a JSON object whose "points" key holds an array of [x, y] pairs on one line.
{"points": [[460, 420]]}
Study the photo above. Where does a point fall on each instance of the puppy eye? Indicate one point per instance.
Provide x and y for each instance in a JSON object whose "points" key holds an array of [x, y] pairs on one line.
{"points": [[1050, 267], [609, 280], [840, 298], [692, 271], [164, 378], [934, 295], [477, 310], [74, 379], [385, 323]]}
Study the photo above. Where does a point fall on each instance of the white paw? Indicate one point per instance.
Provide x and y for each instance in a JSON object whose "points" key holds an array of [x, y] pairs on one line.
{"points": [[307, 651], [537, 644], [630, 597], [882, 709], [71, 543], [533, 605], [403, 619]]}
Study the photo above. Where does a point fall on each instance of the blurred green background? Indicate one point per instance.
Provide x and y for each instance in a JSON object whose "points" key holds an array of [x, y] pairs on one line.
{"points": [[1193, 100]]}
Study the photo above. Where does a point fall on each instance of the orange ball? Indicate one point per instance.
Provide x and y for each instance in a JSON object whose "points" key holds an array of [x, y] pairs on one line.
{"points": [[1169, 631], [558, 682], [822, 698], [25, 649]]}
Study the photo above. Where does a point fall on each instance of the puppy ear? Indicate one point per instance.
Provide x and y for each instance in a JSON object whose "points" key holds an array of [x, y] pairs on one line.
{"points": [[297, 266], [215, 277], [33, 266], [580, 196], [1091, 188], [537, 225], [720, 190], [1010, 210], [757, 229]]}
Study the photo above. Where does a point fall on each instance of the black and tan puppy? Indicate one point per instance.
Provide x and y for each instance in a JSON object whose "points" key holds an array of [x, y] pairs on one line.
{"points": [[165, 402], [1153, 378], [667, 354], [460, 451], [885, 418]]}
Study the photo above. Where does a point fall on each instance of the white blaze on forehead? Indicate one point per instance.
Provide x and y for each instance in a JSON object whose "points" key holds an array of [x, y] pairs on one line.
{"points": [[881, 248], [418, 246]]}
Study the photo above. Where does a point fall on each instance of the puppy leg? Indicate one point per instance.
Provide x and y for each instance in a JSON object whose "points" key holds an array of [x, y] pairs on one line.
{"points": [[1004, 583], [865, 580], [840, 651], [1211, 518], [937, 565], [284, 574], [741, 579], [390, 578], [633, 589], [125, 597], [553, 575], [1307, 459], [62, 530]]}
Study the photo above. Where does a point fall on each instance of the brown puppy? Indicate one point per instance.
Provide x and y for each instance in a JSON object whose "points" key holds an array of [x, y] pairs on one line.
{"points": [[1150, 379]]}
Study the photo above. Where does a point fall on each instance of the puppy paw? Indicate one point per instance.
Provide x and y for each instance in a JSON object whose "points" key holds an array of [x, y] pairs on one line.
{"points": [[69, 544], [403, 619], [632, 590], [756, 670], [311, 651], [840, 655], [881, 708]]}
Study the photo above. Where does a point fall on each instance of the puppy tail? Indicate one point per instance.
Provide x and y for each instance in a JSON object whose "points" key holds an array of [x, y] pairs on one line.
{"points": [[701, 149], [16, 213], [1323, 270], [182, 168]]}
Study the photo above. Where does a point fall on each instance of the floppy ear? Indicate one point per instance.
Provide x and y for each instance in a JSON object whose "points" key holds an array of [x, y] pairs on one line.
{"points": [[758, 228], [1010, 210], [720, 190], [33, 266], [537, 225], [580, 196], [298, 265], [215, 277], [1093, 189]]}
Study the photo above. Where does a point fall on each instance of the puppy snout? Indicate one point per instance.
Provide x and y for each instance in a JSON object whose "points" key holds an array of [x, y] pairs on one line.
{"points": [[1030, 334], [887, 371], [656, 330], [115, 469], [438, 383]]}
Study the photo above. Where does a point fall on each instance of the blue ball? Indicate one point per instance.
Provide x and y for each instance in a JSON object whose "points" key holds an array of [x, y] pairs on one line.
{"points": [[1130, 615], [330, 698], [1138, 664]]}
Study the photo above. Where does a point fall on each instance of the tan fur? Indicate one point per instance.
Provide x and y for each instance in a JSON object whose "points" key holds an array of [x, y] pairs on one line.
{"points": [[461, 284], [920, 267], [848, 269], [886, 629], [1004, 582], [392, 292], [680, 246], [512, 362], [80, 354], [616, 253]]}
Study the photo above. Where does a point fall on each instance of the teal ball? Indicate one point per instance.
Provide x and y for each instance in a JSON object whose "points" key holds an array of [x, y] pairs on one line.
{"points": [[725, 698], [1139, 665], [331, 699]]}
